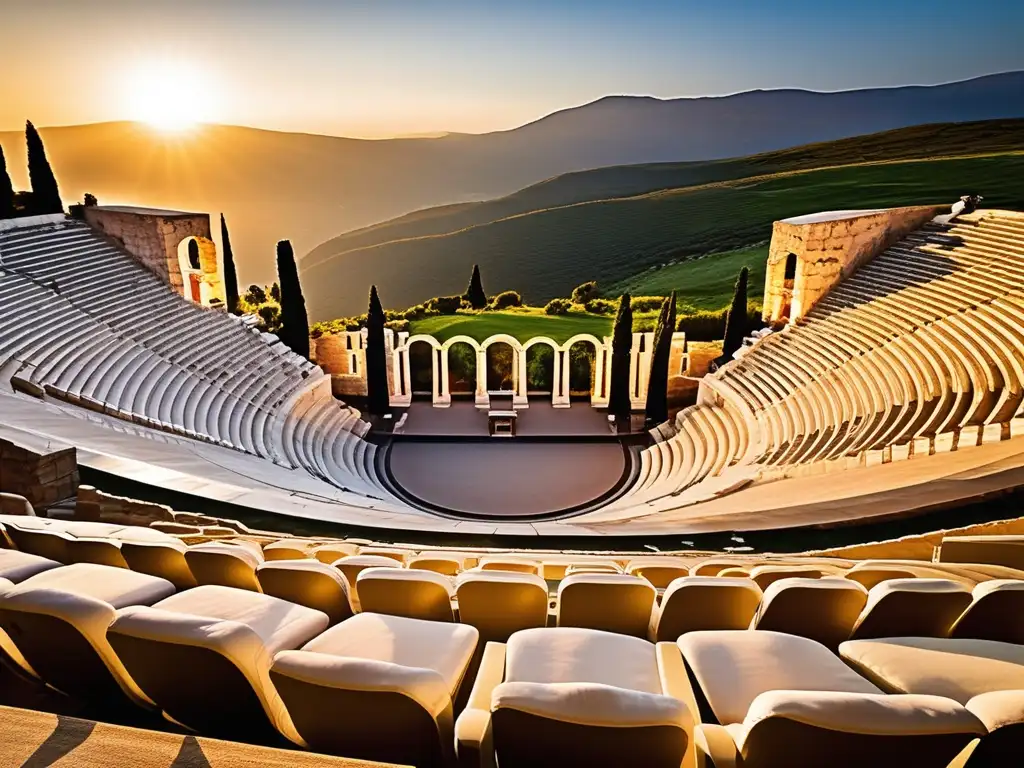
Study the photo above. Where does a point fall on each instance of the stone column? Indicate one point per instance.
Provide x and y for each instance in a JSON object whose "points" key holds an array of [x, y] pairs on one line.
{"points": [[560, 381], [519, 378], [481, 399], [601, 374], [444, 397]]}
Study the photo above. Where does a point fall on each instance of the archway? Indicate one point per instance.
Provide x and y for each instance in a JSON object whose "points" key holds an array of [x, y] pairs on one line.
{"points": [[461, 370], [501, 367], [423, 359], [581, 356], [200, 272], [541, 380]]}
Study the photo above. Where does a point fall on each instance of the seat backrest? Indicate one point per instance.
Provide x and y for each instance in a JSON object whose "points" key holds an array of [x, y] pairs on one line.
{"points": [[806, 729], [438, 563], [614, 602], [659, 573], [163, 559], [513, 565], [328, 553], [694, 603], [287, 549], [766, 575], [41, 541], [499, 603], [911, 608], [713, 565], [996, 612], [824, 610], [226, 565], [400, 556], [352, 565], [411, 593], [307, 582], [13, 504], [95, 550], [869, 576], [996, 550]]}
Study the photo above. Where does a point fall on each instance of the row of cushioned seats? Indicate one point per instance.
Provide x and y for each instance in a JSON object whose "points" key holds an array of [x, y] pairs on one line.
{"points": [[501, 594], [239, 664]]}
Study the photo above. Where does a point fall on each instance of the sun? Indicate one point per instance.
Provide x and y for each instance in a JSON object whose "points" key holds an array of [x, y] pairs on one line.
{"points": [[169, 96]]}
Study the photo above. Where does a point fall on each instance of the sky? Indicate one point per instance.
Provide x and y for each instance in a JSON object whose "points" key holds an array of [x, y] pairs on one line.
{"points": [[379, 68]]}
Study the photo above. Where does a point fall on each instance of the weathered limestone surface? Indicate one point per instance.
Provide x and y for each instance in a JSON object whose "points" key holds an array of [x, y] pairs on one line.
{"points": [[155, 238], [829, 248], [42, 478]]}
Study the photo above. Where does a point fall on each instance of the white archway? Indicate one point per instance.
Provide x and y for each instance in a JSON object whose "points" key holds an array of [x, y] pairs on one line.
{"points": [[200, 272]]}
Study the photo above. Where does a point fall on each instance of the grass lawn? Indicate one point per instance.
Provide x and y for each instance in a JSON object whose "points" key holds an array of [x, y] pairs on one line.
{"points": [[524, 324], [706, 282]]}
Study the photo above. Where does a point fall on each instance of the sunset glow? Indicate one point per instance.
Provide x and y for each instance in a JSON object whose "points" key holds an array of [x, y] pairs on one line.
{"points": [[169, 96]]}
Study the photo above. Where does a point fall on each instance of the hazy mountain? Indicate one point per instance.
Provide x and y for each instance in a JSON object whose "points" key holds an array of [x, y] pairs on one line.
{"points": [[308, 188]]}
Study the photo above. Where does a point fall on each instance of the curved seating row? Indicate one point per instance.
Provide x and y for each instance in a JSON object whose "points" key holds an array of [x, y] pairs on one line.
{"points": [[921, 343], [92, 327]]}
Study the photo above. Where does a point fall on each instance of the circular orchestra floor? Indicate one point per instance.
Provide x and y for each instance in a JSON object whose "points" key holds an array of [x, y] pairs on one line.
{"points": [[506, 477]]}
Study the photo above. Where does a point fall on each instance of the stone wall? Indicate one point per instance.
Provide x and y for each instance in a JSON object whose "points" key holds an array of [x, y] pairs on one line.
{"points": [[42, 478], [829, 247], [155, 238], [333, 354]]}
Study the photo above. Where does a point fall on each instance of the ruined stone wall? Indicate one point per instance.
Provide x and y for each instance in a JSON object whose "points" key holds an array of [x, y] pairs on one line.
{"points": [[828, 250], [42, 478], [332, 354], [154, 238]]}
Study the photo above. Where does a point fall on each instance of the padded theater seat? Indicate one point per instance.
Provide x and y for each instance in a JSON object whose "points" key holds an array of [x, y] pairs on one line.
{"points": [[568, 696], [823, 610], [101, 551], [17, 566], [695, 603], [985, 676], [613, 602], [288, 549], [996, 612], [307, 582], [59, 618], [351, 565], [911, 608], [782, 701], [512, 564], [222, 641], [165, 559], [413, 594], [328, 553], [766, 575], [659, 571], [445, 563], [499, 603], [395, 680], [224, 564]]}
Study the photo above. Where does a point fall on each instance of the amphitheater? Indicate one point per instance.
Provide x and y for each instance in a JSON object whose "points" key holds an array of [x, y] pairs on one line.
{"points": [[209, 558]]}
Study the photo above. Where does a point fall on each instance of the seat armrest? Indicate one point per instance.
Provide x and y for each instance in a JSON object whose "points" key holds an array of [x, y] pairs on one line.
{"points": [[473, 745], [676, 683], [715, 747]]}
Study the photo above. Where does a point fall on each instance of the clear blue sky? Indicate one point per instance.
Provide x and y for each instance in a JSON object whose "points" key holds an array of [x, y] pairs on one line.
{"points": [[393, 67]]}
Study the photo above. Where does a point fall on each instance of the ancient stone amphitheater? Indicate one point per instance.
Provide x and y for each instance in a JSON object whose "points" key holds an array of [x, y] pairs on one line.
{"points": [[246, 571]]}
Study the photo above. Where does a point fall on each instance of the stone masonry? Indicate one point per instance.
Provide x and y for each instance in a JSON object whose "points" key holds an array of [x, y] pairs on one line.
{"points": [[42, 478]]}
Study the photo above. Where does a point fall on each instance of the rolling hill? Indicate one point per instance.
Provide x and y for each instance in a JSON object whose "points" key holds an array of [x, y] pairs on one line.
{"points": [[611, 224], [308, 188]]}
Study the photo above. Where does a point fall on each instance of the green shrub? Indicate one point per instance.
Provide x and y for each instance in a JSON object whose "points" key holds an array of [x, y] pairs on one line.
{"points": [[397, 325], [642, 304], [557, 307], [710, 326], [445, 305], [581, 294], [600, 306], [506, 299]]}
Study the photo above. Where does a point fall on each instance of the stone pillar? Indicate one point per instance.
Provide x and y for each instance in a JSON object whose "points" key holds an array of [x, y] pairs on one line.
{"points": [[602, 374], [481, 399], [560, 379], [442, 397], [519, 399]]}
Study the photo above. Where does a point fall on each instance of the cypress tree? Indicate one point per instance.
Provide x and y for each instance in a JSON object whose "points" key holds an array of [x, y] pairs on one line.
{"points": [[230, 275], [294, 321], [377, 396], [475, 292], [656, 408], [6, 190], [736, 321], [45, 196], [622, 343]]}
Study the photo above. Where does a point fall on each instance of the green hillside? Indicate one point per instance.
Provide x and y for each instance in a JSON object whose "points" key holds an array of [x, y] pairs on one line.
{"points": [[545, 253], [919, 142]]}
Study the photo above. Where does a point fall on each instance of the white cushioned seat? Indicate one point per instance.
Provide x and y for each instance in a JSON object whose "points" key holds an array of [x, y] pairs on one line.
{"points": [[996, 612], [693, 603], [395, 678], [445, 563], [824, 610], [613, 602], [224, 564], [17, 566], [307, 582], [58, 619], [499, 603], [414, 594], [575, 696], [911, 608], [226, 639], [351, 565]]}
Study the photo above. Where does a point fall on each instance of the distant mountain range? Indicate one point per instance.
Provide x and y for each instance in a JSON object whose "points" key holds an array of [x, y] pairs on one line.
{"points": [[309, 188]]}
